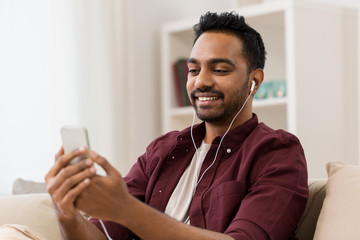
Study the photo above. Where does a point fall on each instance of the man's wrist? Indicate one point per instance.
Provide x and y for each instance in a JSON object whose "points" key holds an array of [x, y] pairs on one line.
{"points": [[127, 213]]}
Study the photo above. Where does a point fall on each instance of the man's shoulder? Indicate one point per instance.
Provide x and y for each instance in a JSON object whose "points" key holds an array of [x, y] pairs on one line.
{"points": [[168, 138], [265, 133]]}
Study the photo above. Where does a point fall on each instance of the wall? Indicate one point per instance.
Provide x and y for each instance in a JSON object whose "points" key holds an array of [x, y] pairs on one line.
{"points": [[58, 63], [30, 103]]}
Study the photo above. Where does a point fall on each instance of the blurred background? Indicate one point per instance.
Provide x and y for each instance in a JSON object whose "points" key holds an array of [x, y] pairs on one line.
{"points": [[90, 62]]}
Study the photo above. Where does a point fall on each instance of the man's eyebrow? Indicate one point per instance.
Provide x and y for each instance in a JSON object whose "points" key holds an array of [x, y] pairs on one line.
{"points": [[222, 60], [213, 61], [192, 60]]}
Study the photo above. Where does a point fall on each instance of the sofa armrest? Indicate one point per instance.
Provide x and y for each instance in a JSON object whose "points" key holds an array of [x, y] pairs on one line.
{"points": [[35, 211], [307, 224]]}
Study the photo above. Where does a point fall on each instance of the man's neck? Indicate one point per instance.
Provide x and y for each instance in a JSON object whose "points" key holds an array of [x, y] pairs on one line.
{"points": [[214, 129]]}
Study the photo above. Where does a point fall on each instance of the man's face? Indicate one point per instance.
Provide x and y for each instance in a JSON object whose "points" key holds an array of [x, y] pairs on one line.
{"points": [[217, 82]]}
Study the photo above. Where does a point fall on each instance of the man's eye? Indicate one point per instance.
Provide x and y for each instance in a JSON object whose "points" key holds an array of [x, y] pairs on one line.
{"points": [[220, 71], [192, 71]]}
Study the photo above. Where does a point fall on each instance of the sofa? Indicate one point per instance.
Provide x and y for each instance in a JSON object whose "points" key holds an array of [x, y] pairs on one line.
{"points": [[332, 210]]}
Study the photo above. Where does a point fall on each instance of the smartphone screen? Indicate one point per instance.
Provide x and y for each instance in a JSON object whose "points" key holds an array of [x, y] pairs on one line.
{"points": [[74, 137]]}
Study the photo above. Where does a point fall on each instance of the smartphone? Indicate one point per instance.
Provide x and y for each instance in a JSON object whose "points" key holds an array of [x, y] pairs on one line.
{"points": [[74, 137]]}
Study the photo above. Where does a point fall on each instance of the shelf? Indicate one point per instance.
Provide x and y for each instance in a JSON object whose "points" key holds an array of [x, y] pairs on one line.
{"points": [[269, 102]]}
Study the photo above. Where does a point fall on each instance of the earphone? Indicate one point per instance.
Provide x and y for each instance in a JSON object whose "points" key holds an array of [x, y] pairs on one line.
{"points": [[252, 86]]}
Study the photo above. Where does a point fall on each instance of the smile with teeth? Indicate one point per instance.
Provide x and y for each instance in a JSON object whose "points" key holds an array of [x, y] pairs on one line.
{"points": [[207, 98]]}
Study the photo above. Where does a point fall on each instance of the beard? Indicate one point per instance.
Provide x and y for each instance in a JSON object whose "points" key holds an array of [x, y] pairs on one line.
{"points": [[226, 111]]}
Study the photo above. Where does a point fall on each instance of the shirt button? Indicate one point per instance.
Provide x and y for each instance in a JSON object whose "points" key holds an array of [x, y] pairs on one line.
{"points": [[228, 150], [180, 139], [173, 157], [159, 191], [186, 150]]}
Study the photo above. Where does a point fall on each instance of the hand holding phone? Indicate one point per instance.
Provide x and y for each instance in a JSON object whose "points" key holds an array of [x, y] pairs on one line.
{"points": [[74, 137]]}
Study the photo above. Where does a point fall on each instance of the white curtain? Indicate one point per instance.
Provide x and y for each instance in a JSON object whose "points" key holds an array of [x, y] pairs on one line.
{"points": [[60, 63]]}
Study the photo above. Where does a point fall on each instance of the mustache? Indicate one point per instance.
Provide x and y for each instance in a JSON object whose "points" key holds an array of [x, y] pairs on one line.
{"points": [[210, 91]]}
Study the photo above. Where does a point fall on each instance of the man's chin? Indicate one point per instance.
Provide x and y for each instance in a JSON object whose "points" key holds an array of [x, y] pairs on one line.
{"points": [[208, 117]]}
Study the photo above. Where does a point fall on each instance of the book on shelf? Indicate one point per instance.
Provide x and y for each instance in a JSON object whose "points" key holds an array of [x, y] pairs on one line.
{"points": [[180, 72], [177, 85]]}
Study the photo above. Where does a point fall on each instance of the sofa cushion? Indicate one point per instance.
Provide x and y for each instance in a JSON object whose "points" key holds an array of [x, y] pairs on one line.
{"points": [[35, 211], [339, 216], [19, 232], [21, 186], [306, 226]]}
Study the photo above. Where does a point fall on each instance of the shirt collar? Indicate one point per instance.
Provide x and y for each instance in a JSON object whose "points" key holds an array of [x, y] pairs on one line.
{"points": [[232, 140], [235, 137]]}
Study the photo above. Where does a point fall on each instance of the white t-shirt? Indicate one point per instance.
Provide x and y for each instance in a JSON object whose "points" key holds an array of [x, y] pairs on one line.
{"points": [[180, 200]]}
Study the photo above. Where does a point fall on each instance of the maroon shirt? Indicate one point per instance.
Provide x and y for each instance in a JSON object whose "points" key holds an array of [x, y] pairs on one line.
{"points": [[257, 188]]}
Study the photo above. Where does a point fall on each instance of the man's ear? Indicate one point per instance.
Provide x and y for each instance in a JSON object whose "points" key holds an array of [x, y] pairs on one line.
{"points": [[257, 76]]}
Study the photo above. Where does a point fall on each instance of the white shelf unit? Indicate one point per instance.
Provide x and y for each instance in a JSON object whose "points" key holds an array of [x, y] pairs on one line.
{"points": [[314, 46]]}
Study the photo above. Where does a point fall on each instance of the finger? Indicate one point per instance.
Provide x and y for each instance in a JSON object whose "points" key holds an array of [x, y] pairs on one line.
{"points": [[66, 159], [70, 197], [72, 182], [59, 153], [109, 169], [54, 183], [63, 161]]}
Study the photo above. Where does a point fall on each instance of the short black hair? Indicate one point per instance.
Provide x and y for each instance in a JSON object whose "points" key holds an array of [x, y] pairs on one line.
{"points": [[232, 23]]}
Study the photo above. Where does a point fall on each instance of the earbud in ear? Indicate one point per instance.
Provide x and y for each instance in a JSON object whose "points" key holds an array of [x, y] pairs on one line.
{"points": [[252, 86]]}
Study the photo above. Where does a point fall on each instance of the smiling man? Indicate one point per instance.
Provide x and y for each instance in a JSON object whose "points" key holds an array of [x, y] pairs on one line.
{"points": [[229, 177], [218, 80]]}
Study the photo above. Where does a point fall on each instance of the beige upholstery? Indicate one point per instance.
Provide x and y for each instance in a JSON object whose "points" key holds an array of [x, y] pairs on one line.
{"points": [[339, 216], [35, 211], [21, 186]]}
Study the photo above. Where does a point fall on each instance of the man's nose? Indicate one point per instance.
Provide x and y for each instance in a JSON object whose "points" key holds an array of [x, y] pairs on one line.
{"points": [[204, 80]]}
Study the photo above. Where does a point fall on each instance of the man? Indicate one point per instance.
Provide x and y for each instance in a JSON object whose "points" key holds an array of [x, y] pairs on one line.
{"points": [[226, 178]]}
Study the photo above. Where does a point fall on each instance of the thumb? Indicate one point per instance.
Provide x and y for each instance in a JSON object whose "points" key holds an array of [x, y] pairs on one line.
{"points": [[109, 169]]}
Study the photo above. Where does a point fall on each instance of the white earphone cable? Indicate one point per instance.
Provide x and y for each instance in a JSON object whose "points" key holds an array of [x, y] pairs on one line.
{"points": [[105, 230], [217, 150]]}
